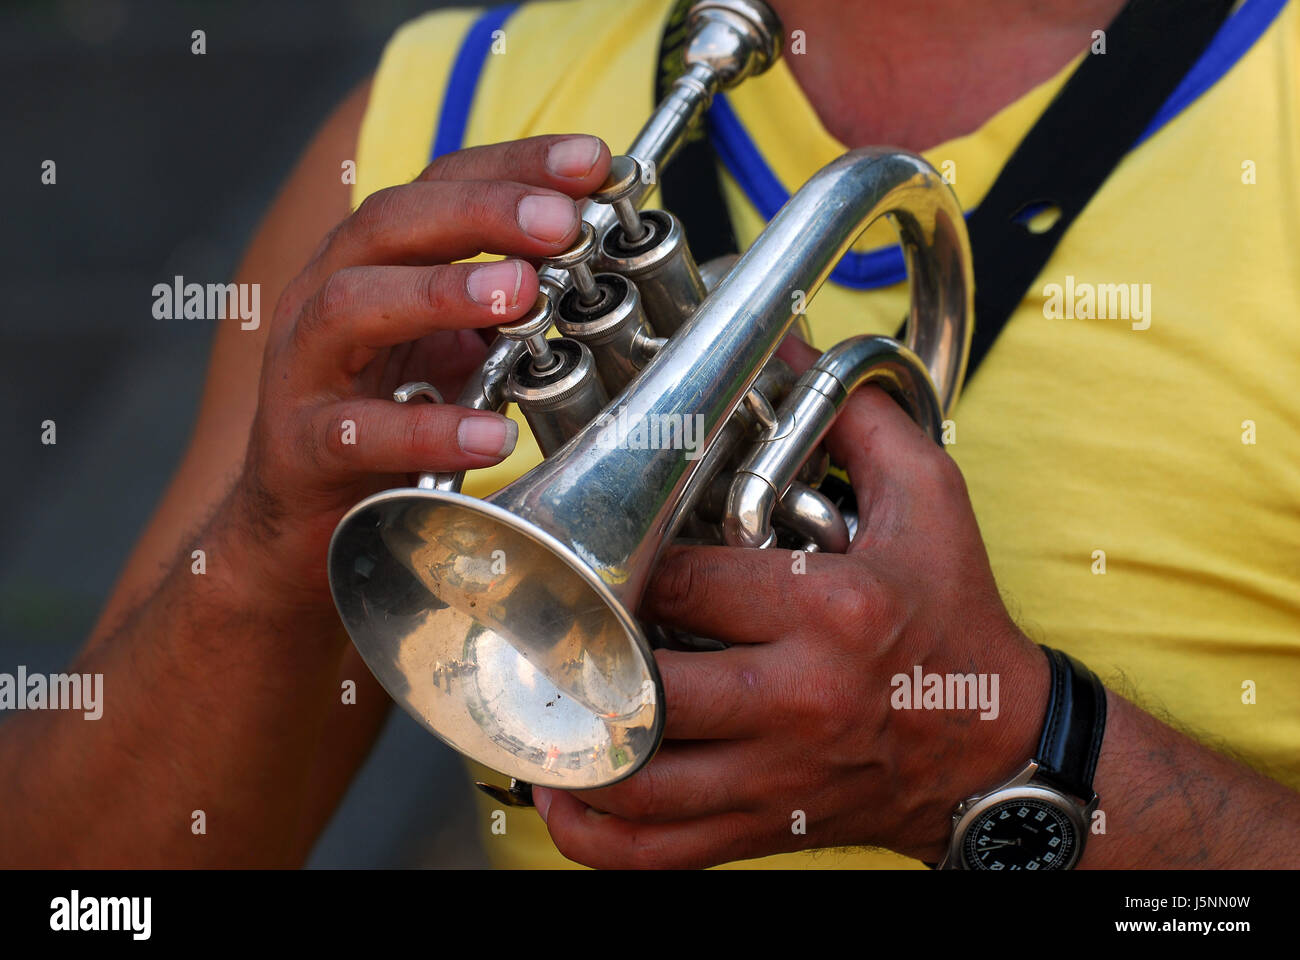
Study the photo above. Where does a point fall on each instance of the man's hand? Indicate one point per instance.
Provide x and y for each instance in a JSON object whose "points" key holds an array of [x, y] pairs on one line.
{"points": [[795, 724], [796, 715], [222, 686], [381, 304]]}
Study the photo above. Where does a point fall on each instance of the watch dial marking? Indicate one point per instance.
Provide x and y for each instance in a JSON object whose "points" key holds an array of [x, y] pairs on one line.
{"points": [[1019, 834]]}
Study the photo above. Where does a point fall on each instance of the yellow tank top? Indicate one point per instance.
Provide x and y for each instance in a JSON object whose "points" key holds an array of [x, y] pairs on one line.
{"points": [[1137, 480]]}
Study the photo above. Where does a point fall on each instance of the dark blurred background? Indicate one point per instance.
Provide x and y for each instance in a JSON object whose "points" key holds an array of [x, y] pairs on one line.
{"points": [[165, 161]]}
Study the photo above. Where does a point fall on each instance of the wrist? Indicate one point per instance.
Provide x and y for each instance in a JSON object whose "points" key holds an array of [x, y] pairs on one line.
{"points": [[1013, 738], [995, 749], [272, 568], [1038, 818]]}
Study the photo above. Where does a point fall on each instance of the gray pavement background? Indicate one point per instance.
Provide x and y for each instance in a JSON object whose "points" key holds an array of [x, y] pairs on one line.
{"points": [[165, 162]]}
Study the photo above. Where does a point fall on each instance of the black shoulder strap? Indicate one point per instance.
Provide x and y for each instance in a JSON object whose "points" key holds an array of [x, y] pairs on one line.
{"points": [[1087, 129]]}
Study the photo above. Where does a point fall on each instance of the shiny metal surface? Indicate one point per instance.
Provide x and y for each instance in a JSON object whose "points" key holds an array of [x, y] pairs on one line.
{"points": [[518, 794], [812, 516], [808, 414], [616, 330], [507, 626], [531, 331], [661, 266], [575, 262], [728, 42], [620, 190], [496, 637], [559, 401]]}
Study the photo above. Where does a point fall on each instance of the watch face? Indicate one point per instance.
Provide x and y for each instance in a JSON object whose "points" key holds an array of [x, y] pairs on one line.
{"points": [[1020, 834]]}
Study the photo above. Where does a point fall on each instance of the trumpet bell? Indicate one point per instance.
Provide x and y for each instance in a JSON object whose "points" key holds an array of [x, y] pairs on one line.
{"points": [[497, 637]]}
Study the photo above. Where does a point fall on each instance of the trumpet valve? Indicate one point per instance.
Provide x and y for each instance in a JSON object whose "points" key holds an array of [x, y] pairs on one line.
{"points": [[576, 262], [619, 191], [531, 331]]}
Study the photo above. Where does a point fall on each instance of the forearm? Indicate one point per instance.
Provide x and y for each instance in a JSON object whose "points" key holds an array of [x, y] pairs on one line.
{"points": [[352, 726], [1170, 802], [213, 700]]}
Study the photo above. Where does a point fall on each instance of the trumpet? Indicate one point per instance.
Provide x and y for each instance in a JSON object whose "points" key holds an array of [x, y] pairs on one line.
{"points": [[507, 626]]}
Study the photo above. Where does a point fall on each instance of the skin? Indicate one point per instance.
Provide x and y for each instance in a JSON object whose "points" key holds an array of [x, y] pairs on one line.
{"points": [[225, 687]]}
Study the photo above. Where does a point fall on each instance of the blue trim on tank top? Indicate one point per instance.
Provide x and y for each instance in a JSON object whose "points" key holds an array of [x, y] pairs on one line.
{"points": [[741, 157]]}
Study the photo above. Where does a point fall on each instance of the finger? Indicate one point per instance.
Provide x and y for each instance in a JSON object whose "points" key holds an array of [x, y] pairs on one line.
{"points": [[442, 221], [799, 355], [889, 459], [714, 695], [680, 783], [364, 437], [729, 594], [573, 164], [872, 425], [607, 842], [446, 358], [362, 310]]}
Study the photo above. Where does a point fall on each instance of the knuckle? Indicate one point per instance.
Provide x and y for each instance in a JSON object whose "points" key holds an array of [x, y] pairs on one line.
{"points": [[301, 334], [414, 435], [443, 167], [337, 293], [944, 474], [326, 303], [427, 435], [332, 444], [430, 292], [677, 581], [294, 295], [372, 216], [486, 202], [847, 607], [837, 717], [804, 701], [728, 692], [639, 801], [646, 850], [951, 473], [746, 685]]}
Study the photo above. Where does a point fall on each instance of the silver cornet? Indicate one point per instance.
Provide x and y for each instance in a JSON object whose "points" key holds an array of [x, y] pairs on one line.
{"points": [[507, 626]]}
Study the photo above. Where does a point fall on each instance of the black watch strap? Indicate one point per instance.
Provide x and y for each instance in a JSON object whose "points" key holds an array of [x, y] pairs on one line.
{"points": [[1074, 726]]}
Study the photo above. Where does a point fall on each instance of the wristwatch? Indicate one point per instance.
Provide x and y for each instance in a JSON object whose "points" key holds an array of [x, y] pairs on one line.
{"points": [[1039, 819]]}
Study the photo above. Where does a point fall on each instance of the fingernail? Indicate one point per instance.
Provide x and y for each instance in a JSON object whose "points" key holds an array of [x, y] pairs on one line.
{"points": [[496, 282], [487, 436], [547, 218], [573, 157], [542, 801]]}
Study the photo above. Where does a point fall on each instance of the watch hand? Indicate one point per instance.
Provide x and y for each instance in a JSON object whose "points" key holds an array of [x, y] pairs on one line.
{"points": [[994, 844]]}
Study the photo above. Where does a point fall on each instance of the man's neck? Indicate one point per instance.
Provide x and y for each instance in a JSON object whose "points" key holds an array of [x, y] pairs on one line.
{"points": [[917, 73]]}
